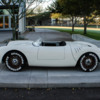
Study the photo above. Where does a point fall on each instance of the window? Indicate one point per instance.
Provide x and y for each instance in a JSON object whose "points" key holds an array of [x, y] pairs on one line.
{"points": [[1, 21]]}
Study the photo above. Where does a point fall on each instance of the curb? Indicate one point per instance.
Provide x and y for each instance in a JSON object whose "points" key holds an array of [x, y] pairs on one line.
{"points": [[50, 85]]}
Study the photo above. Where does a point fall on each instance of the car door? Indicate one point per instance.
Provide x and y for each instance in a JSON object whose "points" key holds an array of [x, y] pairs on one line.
{"points": [[55, 56], [51, 53], [51, 56]]}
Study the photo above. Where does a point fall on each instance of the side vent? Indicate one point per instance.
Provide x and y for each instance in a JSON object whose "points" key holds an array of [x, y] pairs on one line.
{"points": [[77, 49]]}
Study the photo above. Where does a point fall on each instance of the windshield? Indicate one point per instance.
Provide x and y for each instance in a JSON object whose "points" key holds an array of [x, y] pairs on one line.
{"points": [[37, 42]]}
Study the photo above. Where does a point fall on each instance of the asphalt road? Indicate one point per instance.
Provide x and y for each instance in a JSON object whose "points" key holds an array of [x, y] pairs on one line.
{"points": [[50, 94]]}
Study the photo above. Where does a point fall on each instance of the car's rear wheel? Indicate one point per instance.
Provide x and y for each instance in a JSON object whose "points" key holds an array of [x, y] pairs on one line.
{"points": [[88, 62], [14, 61]]}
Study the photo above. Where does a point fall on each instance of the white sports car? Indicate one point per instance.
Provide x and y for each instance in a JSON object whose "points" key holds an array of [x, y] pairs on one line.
{"points": [[17, 54]]}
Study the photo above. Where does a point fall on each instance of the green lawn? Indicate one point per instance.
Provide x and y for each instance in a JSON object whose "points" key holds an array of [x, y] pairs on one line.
{"points": [[90, 26], [90, 33]]}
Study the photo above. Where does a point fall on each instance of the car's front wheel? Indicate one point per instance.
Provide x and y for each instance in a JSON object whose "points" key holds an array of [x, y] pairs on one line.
{"points": [[88, 62], [14, 61]]}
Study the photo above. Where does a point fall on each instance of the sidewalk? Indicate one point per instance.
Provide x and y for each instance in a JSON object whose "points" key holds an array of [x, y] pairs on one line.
{"points": [[79, 37], [48, 78]]}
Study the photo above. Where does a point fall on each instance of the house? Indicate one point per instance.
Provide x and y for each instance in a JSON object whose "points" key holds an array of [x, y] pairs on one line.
{"points": [[6, 18]]}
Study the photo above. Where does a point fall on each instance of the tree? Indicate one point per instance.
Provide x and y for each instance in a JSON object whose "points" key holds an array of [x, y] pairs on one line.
{"points": [[13, 8], [39, 10], [38, 13], [55, 7], [56, 10], [69, 7], [97, 6], [88, 9]]}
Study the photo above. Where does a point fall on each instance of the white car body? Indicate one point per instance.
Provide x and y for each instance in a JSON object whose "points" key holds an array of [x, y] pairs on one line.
{"points": [[53, 56]]}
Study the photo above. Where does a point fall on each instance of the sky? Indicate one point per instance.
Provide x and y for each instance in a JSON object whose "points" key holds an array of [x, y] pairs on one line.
{"points": [[45, 3]]}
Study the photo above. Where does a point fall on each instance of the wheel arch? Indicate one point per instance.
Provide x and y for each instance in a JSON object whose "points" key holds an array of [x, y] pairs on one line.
{"points": [[85, 54], [3, 59]]}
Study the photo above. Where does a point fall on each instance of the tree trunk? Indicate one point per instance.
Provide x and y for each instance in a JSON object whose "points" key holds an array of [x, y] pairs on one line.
{"points": [[17, 35], [14, 24], [73, 28], [73, 24], [16, 28], [85, 25], [14, 31]]}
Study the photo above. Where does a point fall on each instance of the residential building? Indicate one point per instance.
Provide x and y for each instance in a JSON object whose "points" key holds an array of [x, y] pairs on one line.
{"points": [[6, 18]]}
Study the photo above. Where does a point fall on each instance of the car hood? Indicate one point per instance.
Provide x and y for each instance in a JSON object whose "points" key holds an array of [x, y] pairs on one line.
{"points": [[23, 42]]}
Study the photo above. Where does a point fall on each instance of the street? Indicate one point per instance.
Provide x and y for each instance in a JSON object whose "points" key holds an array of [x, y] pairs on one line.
{"points": [[50, 94]]}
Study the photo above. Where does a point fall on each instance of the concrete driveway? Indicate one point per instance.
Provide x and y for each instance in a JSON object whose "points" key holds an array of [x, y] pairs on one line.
{"points": [[37, 77], [48, 77], [5, 35], [48, 35]]}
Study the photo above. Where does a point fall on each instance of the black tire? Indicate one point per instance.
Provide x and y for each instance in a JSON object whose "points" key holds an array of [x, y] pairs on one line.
{"points": [[14, 61], [88, 62]]}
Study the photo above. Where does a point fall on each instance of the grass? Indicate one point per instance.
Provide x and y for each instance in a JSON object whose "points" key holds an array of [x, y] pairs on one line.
{"points": [[90, 33], [90, 26]]}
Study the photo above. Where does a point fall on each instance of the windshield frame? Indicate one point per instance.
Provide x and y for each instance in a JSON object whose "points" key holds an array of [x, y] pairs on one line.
{"points": [[37, 43]]}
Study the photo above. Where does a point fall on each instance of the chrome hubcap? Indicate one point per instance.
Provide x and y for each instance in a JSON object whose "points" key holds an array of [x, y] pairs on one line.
{"points": [[88, 62], [15, 61]]}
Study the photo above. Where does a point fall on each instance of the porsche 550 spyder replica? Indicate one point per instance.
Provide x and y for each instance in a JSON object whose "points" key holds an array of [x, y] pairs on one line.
{"points": [[17, 54]]}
